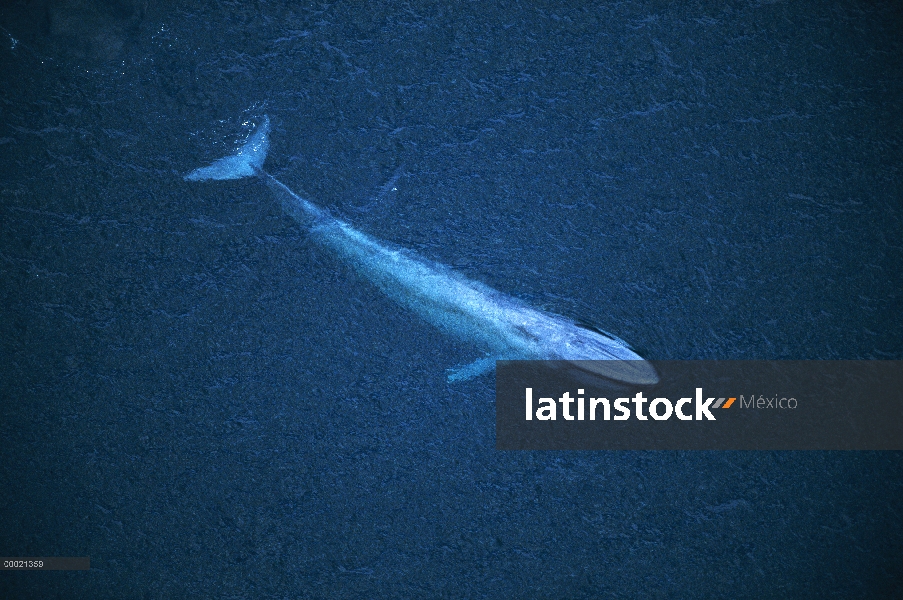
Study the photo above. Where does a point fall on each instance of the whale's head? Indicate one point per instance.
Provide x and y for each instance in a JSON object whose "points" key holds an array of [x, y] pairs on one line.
{"points": [[549, 337], [602, 355]]}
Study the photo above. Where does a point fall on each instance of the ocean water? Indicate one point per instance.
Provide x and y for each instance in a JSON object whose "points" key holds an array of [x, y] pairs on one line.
{"points": [[208, 404]]}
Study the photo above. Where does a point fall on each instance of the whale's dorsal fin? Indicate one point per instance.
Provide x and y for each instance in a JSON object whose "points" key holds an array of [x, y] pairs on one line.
{"points": [[247, 161]]}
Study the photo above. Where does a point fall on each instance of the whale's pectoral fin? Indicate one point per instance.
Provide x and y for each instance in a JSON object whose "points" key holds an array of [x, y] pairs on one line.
{"points": [[474, 369]]}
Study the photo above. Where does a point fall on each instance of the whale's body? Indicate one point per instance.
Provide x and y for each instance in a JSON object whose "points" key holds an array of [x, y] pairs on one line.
{"points": [[506, 328]]}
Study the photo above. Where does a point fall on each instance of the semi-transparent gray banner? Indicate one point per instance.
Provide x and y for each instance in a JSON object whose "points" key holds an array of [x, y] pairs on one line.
{"points": [[701, 405]]}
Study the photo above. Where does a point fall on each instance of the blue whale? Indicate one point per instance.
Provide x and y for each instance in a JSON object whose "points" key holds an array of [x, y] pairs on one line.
{"points": [[504, 327]]}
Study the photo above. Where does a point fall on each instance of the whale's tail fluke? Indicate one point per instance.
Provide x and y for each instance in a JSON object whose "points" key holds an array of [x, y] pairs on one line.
{"points": [[247, 161]]}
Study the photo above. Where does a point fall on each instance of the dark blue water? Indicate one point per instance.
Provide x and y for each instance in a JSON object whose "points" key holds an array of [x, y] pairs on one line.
{"points": [[207, 404]]}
